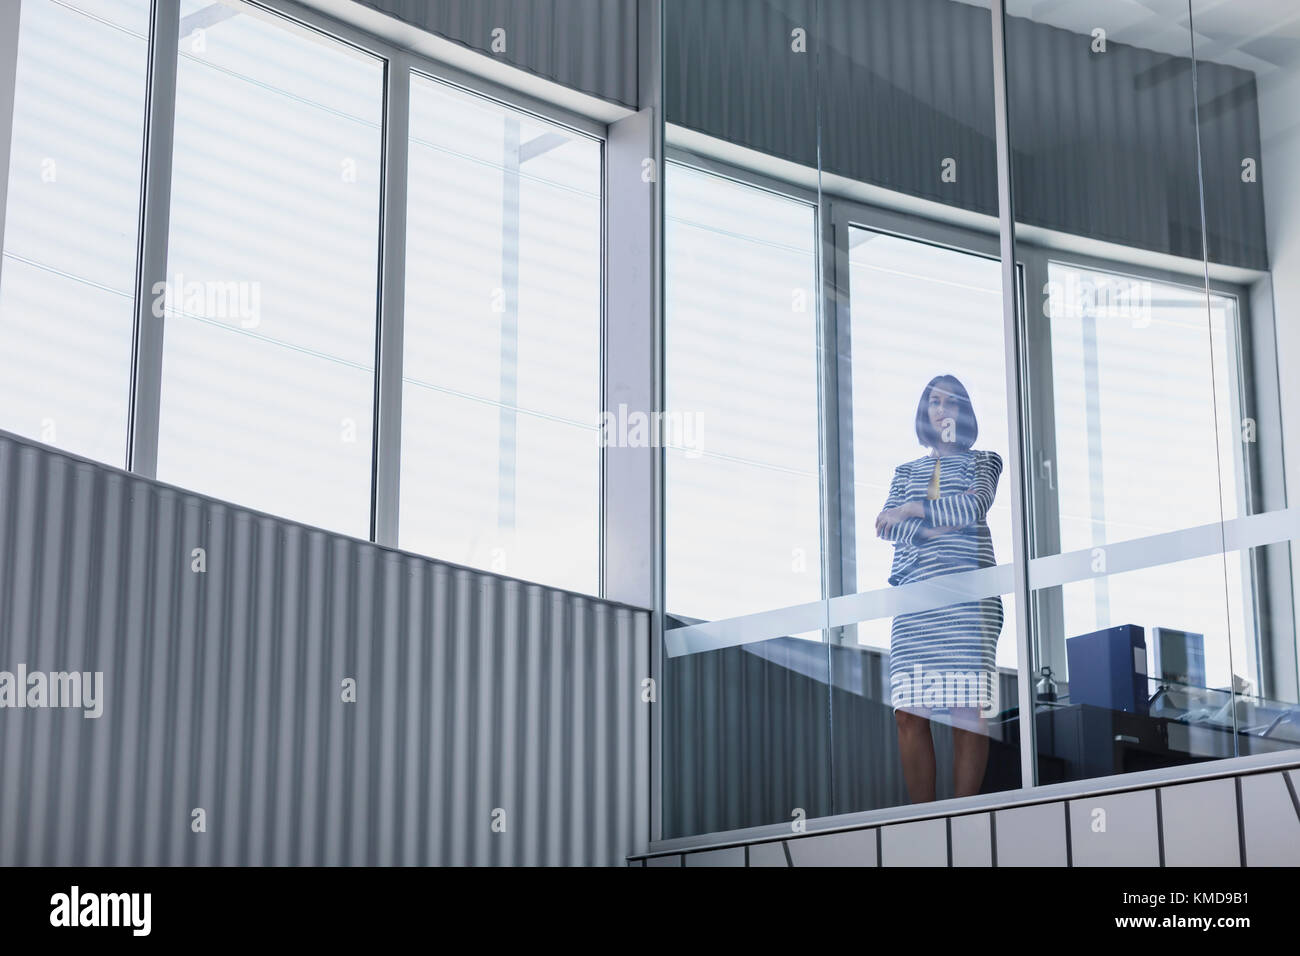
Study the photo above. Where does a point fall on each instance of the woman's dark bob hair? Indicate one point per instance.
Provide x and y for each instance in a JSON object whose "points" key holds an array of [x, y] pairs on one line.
{"points": [[967, 429]]}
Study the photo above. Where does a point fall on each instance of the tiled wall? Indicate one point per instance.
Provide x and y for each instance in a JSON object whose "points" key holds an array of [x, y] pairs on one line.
{"points": [[1247, 820]]}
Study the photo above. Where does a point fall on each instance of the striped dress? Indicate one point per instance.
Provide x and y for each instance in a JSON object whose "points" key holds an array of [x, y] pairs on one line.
{"points": [[935, 653]]}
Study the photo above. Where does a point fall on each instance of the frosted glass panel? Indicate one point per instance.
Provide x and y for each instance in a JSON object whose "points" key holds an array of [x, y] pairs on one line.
{"points": [[67, 284], [742, 530], [501, 378], [269, 347]]}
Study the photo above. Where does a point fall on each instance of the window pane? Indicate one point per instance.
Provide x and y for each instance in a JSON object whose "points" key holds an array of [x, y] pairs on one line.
{"points": [[1101, 374], [1114, 417], [501, 380], [747, 703], [67, 299], [1125, 409], [919, 311], [268, 366], [924, 651], [743, 530]]}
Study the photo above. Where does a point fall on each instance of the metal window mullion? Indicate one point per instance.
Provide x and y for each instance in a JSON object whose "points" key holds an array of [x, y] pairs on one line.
{"points": [[151, 249], [631, 341], [392, 304], [839, 305], [1243, 391], [1042, 482], [833, 584], [1273, 576], [1011, 309]]}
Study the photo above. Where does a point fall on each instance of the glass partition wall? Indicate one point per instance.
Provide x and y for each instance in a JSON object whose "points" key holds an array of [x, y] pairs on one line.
{"points": [[1247, 69], [1125, 445], [841, 616], [746, 708], [1161, 637], [923, 616], [949, 525]]}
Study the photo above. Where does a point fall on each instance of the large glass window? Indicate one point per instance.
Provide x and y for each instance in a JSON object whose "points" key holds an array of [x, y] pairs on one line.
{"points": [[925, 699], [1137, 472], [272, 271], [1247, 66], [501, 379], [918, 311], [1133, 441], [819, 505], [830, 280], [742, 500], [67, 298], [746, 707]]}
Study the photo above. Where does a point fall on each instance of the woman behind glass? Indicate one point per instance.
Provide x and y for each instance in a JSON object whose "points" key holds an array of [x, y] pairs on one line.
{"points": [[943, 660]]}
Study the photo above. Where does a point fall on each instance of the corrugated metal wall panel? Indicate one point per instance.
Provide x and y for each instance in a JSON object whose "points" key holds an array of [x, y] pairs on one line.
{"points": [[223, 691]]}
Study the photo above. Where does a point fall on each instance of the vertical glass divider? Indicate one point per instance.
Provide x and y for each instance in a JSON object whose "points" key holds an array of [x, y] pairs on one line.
{"points": [[650, 79], [151, 249], [386, 464], [1015, 408], [1214, 404], [828, 338], [844, 575], [828, 446]]}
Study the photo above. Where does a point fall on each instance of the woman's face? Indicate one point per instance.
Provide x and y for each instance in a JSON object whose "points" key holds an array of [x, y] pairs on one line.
{"points": [[943, 407]]}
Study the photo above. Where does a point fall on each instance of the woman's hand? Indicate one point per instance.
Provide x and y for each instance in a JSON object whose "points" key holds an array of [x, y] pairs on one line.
{"points": [[890, 517]]}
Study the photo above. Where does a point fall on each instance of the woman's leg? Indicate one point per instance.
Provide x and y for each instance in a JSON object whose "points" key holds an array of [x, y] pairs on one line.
{"points": [[970, 753], [916, 747]]}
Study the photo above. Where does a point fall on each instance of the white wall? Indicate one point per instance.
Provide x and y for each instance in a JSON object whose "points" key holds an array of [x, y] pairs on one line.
{"points": [[1279, 109]]}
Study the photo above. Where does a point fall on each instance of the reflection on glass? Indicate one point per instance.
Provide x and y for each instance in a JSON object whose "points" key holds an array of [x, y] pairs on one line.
{"points": [[270, 301], [941, 660], [67, 300], [501, 372]]}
